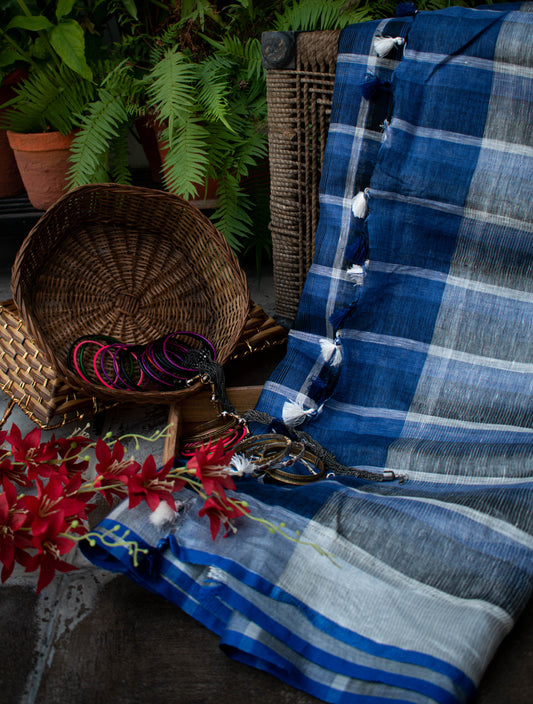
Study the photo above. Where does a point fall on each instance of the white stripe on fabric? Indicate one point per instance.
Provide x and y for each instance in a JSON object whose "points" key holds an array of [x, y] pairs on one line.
{"points": [[327, 272], [438, 351], [458, 479], [304, 336], [337, 201], [450, 280], [458, 210], [389, 607], [364, 60], [484, 519], [362, 133], [470, 61], [426, 420], [464, 139]]}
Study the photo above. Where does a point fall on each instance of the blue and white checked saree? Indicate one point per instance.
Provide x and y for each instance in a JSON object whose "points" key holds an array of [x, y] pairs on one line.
{"points": [[411, 352]]}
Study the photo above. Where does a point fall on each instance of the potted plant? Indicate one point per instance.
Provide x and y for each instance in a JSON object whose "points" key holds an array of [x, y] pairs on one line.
{"points": [[194, 69], [59, 83]]}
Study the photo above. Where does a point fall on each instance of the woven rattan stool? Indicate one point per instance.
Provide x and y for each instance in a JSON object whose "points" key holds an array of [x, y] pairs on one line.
{"points": [[29, 380]]}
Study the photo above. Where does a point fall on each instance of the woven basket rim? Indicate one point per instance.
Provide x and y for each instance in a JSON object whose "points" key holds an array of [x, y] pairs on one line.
{"points": [[27, 264]]}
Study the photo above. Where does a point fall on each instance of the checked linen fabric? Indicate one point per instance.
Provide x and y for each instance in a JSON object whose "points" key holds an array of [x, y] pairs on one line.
{"points": [[411, 352]]}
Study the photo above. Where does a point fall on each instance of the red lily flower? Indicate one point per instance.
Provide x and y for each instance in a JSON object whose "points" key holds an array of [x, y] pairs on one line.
{"points": [[38, 458], [153, 485], [69, 450], [220, 513], [51, 546], [73, 490], [112, 470], [210, 464], [12, 473], [51, 507], [12, 541]]}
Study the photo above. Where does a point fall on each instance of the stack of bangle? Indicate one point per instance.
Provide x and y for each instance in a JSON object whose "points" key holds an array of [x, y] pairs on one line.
{"points": [[273, 453], [170, 362], [227, 429]]}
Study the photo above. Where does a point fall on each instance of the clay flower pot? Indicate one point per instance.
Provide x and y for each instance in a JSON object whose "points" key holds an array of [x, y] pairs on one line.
{"points": [[42, 160], [10, 181]]}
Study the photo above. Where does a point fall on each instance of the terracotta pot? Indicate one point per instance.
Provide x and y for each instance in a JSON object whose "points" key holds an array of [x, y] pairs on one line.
{"points": [[10, 181], [42, 160], [148, 137]]}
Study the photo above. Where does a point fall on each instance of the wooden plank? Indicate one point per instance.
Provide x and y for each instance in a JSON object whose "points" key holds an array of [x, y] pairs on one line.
{"points": [[199, 408], [175, 422]]}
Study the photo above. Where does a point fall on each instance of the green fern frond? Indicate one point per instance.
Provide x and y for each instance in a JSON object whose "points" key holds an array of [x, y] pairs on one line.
{"points": [[49, 98], [186, 161], [119, 157], [98, 127], [169, 87], [308, 15], [213, 89], [232, 215]]}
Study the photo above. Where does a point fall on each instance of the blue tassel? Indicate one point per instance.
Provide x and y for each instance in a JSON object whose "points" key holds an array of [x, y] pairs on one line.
{"points": [[318, 388], [406, 9], [278, 426], [149, 564], [371, 86], [338, 318], [357, 251]]}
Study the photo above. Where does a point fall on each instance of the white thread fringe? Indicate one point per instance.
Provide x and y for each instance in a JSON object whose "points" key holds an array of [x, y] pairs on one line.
{"points": [[327, 348], [292, 414], [331, 352], [360, 205], [241, 465], [356, 274], [384, 45], [163, 515]]}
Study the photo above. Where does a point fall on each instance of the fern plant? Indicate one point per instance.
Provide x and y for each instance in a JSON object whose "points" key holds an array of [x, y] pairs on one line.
{"points": [[49, 98], [196, 68]]}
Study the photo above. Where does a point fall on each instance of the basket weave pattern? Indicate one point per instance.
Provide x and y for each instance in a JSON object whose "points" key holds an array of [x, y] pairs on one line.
{"points": [[299, 109], [132, 263], [29, 380]]}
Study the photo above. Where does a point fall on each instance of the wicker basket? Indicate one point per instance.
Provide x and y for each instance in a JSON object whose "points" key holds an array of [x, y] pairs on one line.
{"points": [[29, 380], [133, 263]]}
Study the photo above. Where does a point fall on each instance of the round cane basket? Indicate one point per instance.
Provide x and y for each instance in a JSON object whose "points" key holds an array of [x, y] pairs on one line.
{"points": [[131, 263]]}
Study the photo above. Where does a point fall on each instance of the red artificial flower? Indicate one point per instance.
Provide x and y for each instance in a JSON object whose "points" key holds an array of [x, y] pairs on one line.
{"points": [[84, 496], [221, 513], [210, 464], [12, 540], [153, 485], [51, 507], [69, 450], [51, 545], [113, 470], [40, 459], [12, 473]]}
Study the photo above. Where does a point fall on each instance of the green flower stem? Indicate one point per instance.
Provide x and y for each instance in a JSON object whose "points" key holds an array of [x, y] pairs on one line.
{"points": [[156, 435], [279, 529], [111, 539]]}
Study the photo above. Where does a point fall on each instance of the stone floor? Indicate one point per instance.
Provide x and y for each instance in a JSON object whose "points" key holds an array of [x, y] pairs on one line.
{"points": [[92, 636]]}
